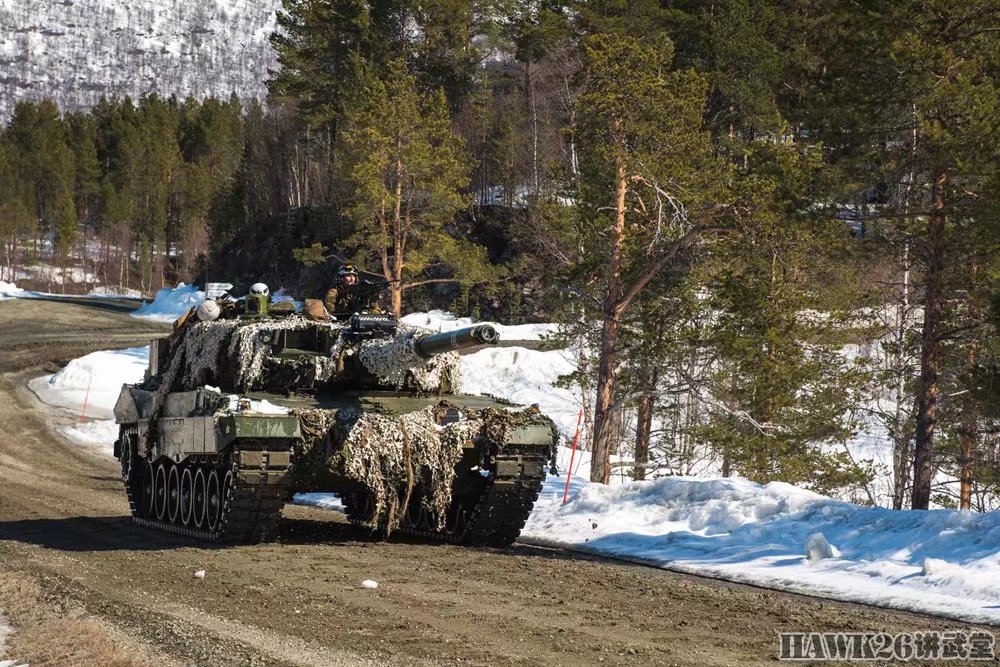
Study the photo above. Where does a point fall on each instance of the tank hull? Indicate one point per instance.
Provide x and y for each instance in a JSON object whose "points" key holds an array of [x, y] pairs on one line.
{"points": [[460, 468]]}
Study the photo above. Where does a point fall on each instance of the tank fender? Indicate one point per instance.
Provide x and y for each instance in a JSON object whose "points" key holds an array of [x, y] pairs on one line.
{"points": [[133, 404]]}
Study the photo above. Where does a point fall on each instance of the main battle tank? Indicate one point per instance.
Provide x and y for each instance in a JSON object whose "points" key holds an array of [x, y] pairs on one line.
{"points": [[236, 416]]}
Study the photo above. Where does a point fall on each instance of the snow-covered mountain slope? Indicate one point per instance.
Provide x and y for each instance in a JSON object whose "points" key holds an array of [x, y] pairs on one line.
{"points": [[75, 51]]}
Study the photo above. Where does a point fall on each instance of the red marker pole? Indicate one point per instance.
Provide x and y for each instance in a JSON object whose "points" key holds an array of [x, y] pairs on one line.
{"points": [[569, 470], [86, 397]]}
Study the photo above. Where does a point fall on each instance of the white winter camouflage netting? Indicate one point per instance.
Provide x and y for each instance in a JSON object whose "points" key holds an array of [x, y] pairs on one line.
{"points": [[201, 348], [394, 361], [389, 453]]}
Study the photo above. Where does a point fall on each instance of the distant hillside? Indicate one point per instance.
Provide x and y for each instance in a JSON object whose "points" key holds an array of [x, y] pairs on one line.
{"points": [[74, 51]]}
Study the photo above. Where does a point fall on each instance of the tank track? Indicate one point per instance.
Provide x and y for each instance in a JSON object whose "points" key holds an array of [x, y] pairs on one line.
{"points": [[497, 514], [253, 493]]}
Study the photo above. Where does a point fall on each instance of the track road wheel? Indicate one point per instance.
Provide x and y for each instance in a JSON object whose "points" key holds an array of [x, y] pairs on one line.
{"points": [[199, 498], [148, 477], [213, 499], [173, 494], [160, 491], [187, 496]]}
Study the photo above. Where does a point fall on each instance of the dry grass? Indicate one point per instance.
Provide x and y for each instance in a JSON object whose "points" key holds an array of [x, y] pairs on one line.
{"points": [[49, 633]]}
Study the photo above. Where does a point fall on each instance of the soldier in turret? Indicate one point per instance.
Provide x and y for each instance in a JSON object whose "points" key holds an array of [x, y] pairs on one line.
{"points": [[351, 294]]}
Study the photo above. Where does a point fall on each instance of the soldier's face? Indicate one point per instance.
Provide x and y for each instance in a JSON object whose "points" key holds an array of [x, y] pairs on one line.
{"points": [[350, 279]]}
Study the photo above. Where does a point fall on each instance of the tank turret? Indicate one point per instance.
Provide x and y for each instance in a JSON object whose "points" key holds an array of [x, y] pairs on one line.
{"points": [[236, 416]]}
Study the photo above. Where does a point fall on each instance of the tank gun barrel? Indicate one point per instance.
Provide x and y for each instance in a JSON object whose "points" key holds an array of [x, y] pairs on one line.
{"points": [[481, 334]]}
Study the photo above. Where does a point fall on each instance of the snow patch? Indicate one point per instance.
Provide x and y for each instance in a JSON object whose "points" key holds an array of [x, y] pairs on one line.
{"points": [[118, 291], [327, 501], [439, 320], [100, 433], [942, 562], [96, 378], [817, 548], [170, 303], [934, 566], [6, 631], [10, 291]]}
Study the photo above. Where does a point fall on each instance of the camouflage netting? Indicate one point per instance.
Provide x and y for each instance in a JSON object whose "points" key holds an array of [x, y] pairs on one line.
{"points": [[231, 354], [390, 455], [226, 353], [396, 364], [200, 352], [312, 454], [248, 353]]}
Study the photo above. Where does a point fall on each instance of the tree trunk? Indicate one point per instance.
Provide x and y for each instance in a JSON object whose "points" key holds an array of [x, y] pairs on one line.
{"points": [[396, 297], [930, 349], [968, 435], [644, 426], [600, 465], [397, 234], [899, 433], [644, 418], [968, 444], [534, 127]]}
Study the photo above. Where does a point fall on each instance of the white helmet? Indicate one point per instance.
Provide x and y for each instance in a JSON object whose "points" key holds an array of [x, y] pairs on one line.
{"points": [[208, 311], [259, 288]]}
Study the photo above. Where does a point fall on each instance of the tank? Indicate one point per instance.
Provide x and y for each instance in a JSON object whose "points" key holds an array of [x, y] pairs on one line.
{"points": [[236, 416]]}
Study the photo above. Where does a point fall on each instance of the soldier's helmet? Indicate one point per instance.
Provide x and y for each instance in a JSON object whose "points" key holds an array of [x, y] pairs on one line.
{"points": [[345, 271], [208, 311]]}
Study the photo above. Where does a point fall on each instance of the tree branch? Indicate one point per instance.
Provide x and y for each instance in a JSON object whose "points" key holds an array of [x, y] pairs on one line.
{"points": [[432, 280], [573, 289], [684, 241]]}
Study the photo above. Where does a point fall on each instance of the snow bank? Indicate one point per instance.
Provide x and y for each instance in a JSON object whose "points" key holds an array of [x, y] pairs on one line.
{"points": [[96, 378], [525, 377], [942, 562], [327, 501], [115, 292], [170, 303], [100, 433], [10, 291], [99, 373]]}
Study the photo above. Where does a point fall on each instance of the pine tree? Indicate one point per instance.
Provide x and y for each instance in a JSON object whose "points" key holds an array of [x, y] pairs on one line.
{"points": [[16, 220], [908, 99], [86, 187], [780, 390], [650, 186], [38, 137], [151, 164], [407, 169]]}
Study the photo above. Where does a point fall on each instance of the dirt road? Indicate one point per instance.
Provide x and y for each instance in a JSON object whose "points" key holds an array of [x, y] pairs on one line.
{"points": [[83, 586]]}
